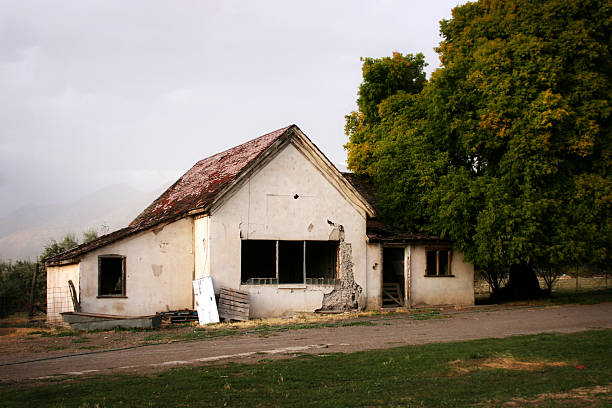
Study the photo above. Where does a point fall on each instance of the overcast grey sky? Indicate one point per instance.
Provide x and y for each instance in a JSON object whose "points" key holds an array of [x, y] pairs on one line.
{"points": [[94, 93]]}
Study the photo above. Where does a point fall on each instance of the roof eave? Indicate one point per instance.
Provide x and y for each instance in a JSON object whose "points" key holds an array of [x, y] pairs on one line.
{"points": [[63, 262], [347, 186]]}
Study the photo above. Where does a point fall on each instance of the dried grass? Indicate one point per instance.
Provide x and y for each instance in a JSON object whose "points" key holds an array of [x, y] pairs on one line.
{"points": [[9, 334], [580, 397], [502, 363]]}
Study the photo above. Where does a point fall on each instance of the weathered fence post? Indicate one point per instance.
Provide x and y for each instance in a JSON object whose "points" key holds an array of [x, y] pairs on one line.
{"points": [[32, 290]]}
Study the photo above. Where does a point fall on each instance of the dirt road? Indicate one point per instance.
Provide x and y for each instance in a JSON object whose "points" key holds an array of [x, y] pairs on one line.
{"points": [[387, 332]]}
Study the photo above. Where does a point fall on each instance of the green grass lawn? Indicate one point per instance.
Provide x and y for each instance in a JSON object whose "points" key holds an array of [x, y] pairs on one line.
{"points": [[558, 298], [480, 373]]}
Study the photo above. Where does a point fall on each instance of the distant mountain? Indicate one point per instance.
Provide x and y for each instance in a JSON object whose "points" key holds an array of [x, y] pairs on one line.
{"points": [[25, 231]]}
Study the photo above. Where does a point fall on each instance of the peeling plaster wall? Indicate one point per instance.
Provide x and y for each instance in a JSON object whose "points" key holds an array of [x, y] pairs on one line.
{"points": [[374, 275], [159, 272], [457, 290], [347, 295], [265, 207], [58, 294], [201, 246]]}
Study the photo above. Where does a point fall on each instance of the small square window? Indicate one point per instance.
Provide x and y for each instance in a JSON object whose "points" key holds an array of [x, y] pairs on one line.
{"points": [[438, 262], [111, 275]]}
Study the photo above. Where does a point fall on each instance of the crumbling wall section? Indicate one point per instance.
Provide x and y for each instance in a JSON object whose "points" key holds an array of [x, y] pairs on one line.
{"points": [[347, 292]]}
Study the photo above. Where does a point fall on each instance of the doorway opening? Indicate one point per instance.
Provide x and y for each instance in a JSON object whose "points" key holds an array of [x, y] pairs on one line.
{"points": [[393, 277]]}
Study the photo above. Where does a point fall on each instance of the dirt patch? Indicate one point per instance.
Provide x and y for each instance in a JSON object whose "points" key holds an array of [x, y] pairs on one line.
{"points": [[578, 397], [241, 342], [502, 363], [9, 334], [25, 343]]}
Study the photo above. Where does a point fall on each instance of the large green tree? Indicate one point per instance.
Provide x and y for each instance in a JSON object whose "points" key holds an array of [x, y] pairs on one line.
{"points": [[507, 149], [399, 76]]}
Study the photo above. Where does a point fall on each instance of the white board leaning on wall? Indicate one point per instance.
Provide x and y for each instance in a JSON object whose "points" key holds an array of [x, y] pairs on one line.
{"points": [[205, 301]]}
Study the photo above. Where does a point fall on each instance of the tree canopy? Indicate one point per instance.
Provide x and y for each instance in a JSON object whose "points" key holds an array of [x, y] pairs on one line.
{"points": [[53, 248], [507, 149]]}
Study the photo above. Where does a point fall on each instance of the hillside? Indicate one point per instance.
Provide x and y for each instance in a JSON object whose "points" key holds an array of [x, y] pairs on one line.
{"points": [[24, 232]]}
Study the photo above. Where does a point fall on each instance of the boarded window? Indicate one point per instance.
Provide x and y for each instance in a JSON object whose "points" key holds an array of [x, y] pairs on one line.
{"points": [[321, 262], [438, 262], [258, 262], [111, 275]]}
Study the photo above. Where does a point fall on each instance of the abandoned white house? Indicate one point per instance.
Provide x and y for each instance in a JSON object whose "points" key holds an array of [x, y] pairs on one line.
{"points": [[272, 217]]}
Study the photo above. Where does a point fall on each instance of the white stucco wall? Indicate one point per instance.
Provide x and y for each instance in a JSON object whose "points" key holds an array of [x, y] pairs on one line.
{"points": [[58, 294], [201, 246], [265, 208], [374, 276], [159, 272], [451, 290]]}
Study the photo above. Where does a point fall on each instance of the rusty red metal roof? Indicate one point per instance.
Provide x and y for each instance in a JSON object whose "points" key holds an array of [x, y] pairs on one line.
{"points": [[201, 184], [195, 189]]}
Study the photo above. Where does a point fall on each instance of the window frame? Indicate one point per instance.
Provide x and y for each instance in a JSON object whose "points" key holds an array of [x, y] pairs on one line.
{"points": [[305, 279], [449, 272], [123, 293]]}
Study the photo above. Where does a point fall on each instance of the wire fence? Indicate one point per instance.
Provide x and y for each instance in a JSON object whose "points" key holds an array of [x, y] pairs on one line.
{"points": [[58, 301], [565, 284]]}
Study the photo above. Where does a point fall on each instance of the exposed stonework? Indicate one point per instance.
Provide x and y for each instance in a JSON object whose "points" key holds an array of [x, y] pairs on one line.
{"points": [[347, 293]]}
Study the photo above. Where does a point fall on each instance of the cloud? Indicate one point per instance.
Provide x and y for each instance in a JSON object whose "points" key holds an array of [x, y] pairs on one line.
{"points": [[103, 92]]}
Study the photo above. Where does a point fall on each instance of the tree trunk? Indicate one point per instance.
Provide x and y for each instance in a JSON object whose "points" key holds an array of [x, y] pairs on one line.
{"points": [[522, 284]]}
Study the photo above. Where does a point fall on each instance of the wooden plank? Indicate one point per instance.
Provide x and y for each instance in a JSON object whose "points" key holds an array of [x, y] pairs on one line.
{"points": [[236, 305], [234, 296], [234, 309], [230, 306], [240, 292], [232, 299], [234, 293], [238, 318], [232, 302], [235, 313], [230, 313]]}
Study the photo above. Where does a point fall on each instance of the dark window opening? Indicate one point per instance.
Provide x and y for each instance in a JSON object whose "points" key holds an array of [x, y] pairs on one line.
{"points": [[438, 262], [273, 262], [258, 262], [432, 263], [111, 275], [321, 262], [290, 261]]}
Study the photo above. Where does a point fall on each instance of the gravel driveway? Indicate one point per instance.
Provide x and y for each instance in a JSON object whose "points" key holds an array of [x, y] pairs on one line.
{"points": [[387, 332]]}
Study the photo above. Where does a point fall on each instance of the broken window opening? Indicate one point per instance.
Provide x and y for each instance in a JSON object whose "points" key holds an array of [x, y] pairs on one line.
{"points": [[321, 262], [258, 262], [290, 261], [438, 262], [111, 275], [267, 262]]}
